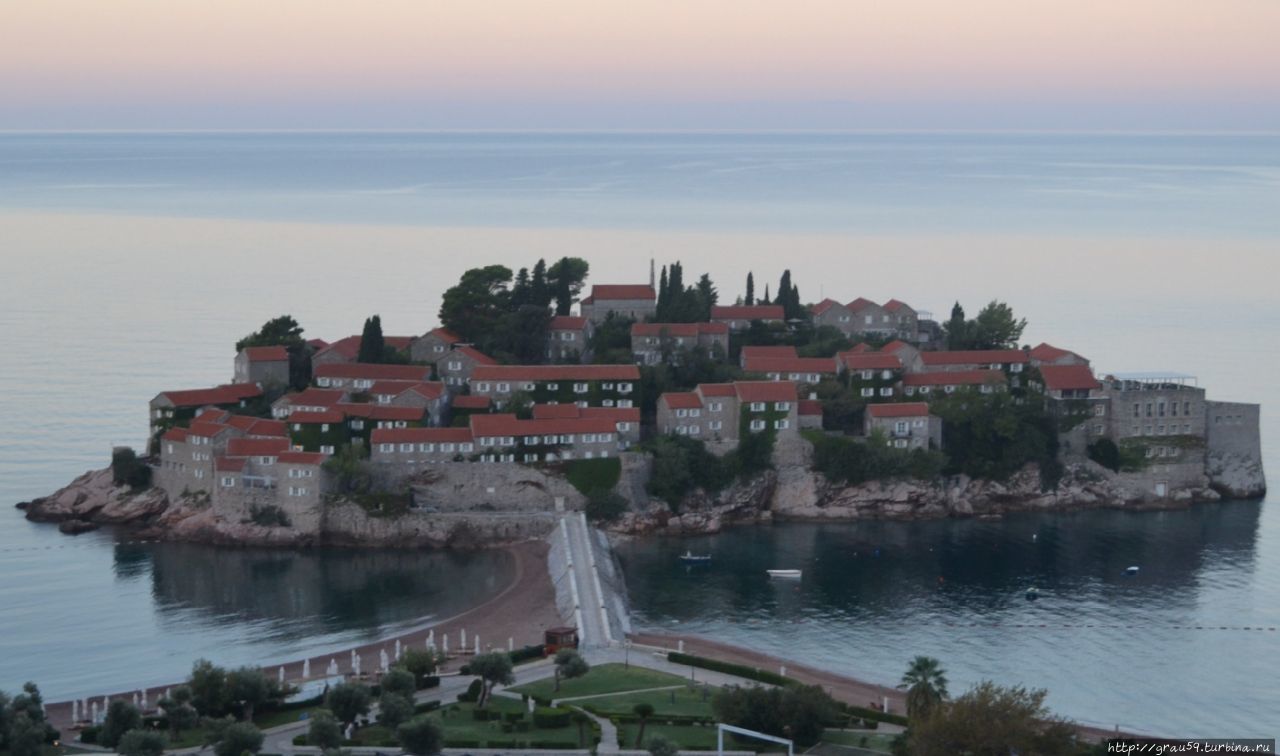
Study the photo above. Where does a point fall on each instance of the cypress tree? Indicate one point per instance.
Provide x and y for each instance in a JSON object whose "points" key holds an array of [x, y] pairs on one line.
{"points": [[765, 299], [539, 291], [372, 345], [751, 290]]}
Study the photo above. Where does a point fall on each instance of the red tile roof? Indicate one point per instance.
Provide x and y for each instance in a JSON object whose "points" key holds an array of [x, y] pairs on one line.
{"points": [[1049, 353], [315, 397], [317, 344], [302, 458], [267, 354], [768, 352], [860, 303], [716, 389], [445, 335], [975, 357], [207, 430], [893, 346], [681, 400], [955, 378], [825, 305], [809, 407], [537, 373], [231, 393], [1068, 377], [175, 434], [392, 388], [870, 361], [317, 418], [257, 426], [484, 426], [613, 414], [373, 371], [228, 464], [748, 312], [766, 391], [256, 447], [477, 356], [567, 323], [399, 343], [421, 435], [615, 292], [680, 329], [468, 401], [893, 305], [212, 415], [899, 409], [554, 411], [431, 390], [381, 412], [347, 347], [785, 365]]}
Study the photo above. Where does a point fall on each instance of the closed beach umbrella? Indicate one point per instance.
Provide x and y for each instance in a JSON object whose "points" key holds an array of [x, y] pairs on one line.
{"points": [[333, 667], [397, 649], [94, 718], [306, 669], [382, 655], [477, 644], [280, 674], [446, 645], [463, 644], [145, 706], [431, 638], [75, 710]]}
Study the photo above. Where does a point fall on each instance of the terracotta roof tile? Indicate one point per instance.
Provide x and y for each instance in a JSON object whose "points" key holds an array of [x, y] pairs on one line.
{"points": [[231, 393], [810, 407], [477, 356], [870, 361], [768, 352], [861, 303], [748, 312], [899, 409], [468, 401], [716, 389], [381, 412], [1068, 377], [893, 305], [536, 373], [976, 357], [313, 397], [785, 365], [421, 435], [1049, 353], [256, 447], [766, 391], [445, 335], [681, 400], [267, 354], [207, 430], [373, 371], [329, 416], [616, 292], [302, 458], [825, 305], [230, 464], [484, 426], [175, 434]]}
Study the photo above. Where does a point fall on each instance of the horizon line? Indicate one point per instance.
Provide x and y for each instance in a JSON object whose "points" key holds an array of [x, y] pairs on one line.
{"points": [[656, 131]]}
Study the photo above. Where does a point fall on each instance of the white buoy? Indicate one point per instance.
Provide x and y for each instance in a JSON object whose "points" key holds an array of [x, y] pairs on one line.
{"points": [[306, 669]]}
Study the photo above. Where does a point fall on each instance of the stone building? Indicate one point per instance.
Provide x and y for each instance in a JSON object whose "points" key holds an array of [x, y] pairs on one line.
{"points": [[925, 384], [873, 376], [652, 343], [433, 345], [359, 377], [718, 413], [264, 366], [906, 425], [176, 408], [739, 317], [584, 385], [803, 370], [634, 301], [457, 367], [569, 339]]}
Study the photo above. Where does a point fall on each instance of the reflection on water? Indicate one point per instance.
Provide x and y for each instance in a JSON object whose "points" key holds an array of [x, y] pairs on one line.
{"points": [[874, 594]]}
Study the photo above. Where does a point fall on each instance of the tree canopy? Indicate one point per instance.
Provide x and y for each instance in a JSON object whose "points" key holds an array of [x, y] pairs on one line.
{"points": [[373, 347], [995, 327], [280, 331], [678, 303], [795, 712], [993, 720]]}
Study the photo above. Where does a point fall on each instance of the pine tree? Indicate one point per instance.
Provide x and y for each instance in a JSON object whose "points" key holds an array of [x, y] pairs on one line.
{"points": [[785, 294], [522, 290], [664, 295], [957, 328], [707, 296], [751, 290], [539, 291], [372, 345]]}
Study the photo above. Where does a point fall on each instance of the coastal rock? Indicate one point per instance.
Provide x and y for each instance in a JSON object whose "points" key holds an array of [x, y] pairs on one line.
{"points": [[94, 497], [76, 527]]}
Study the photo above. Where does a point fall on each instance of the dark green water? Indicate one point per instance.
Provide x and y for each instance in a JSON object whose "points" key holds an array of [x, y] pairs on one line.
{"points": [[1111, 648]]}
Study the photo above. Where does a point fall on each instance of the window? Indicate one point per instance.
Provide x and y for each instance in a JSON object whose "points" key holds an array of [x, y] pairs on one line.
{"points": [[607, 402], [324, 427], [406, 448], [1099, 410], [486, 441], [1149, 409], [267, 460], [454, 365], [531, 458], [1137, 409], [715, 425], [483, 386], [918, 422], [553, 387], [868, 374], [624, 388], [624, 403], [623, 427], [909, 390], [446, 447], [1097, 430], [463, 447], [228, 481], [1173, 409], [694, 430], [1016, 367], [757, 406], [715, 407], [1186, 427], [580, 388], [692, 412], [363, 383], [782, 406], [504, 388], [868, 319], [607, 386], [357, 425], [386, 448], [900, 443], [528, 386], [1160, 408], [949, 389], [901, 426], [1186, 408], [322, 382], [170, 449], [567, 336], [886, 391], [682, 413], [757, 425], [986, 388], [781, 424]]}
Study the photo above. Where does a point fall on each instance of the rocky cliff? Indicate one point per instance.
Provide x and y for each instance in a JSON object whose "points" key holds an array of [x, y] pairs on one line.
{"points": [[793, 492], [93, 499]]}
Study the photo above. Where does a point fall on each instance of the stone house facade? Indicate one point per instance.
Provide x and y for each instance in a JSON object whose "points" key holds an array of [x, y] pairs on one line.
{"points": [[177, 408], [265, 366], [652, 343], [569, 339], [803, 370], [583, 385], [925, 385], [873, 376], [359, 377], [635, 301], [456, 368], [718, 413], [905, 425], [433, 345]]}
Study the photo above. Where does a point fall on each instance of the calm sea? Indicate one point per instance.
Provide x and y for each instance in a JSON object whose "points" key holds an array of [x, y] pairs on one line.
{"points": [[130, 263]]}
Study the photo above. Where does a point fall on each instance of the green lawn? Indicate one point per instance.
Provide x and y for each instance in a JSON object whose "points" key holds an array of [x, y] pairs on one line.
{"points": [[686, 736], [459, 724], [271, 719], [680, 701], [606, 678]]}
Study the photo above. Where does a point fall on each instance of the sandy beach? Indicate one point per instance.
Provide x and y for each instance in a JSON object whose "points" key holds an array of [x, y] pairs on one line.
{"points": [[520, 613]]}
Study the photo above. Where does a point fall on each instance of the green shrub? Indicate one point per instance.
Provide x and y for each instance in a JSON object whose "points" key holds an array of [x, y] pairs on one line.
{"points": [[472, 693], [90, 735], [548, 718], [128, 470], [268, 515], [590, 475], [873, 716], [300, 740], [555, 745], [604, 505], [513, 716], [737, 670], [426, 706], [461, 743], [527, 653]]}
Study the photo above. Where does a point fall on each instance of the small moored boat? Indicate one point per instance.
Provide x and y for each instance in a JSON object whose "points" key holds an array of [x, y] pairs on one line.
{"points": [[1132, 570], [1033, 593], [689, 556], [783, 573]]}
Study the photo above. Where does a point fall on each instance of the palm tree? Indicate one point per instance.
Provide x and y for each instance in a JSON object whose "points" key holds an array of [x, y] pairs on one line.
{"points": [[926, 684], [644, 711]]}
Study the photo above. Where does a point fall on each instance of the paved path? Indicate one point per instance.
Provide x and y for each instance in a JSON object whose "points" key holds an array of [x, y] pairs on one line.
{"points": [[594, 632]]}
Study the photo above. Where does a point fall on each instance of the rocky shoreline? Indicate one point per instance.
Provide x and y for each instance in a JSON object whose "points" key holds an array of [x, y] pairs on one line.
{"points": [[789, 492]]}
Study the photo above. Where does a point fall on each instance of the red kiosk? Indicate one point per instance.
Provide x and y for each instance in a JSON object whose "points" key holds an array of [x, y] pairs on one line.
{"points": [[556, 638]]}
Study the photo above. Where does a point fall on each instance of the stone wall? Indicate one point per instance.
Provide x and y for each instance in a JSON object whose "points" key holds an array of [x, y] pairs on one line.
{"points": [[1234, 453], [492, 487]]}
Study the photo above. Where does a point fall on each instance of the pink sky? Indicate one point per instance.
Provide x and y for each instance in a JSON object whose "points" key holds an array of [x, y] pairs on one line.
{"points": [[829, 63]]}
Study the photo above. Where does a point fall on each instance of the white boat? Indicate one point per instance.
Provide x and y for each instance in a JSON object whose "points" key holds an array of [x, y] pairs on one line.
{"points": [[795, 574], [1131, 570], [689, 556]]}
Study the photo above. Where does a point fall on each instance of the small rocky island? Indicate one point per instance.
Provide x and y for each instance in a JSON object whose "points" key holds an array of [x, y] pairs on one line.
{"points": [[653, 408]]}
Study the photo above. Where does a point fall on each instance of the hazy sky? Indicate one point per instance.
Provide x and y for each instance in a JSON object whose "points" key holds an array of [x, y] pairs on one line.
{"points": [[825, 64]]}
